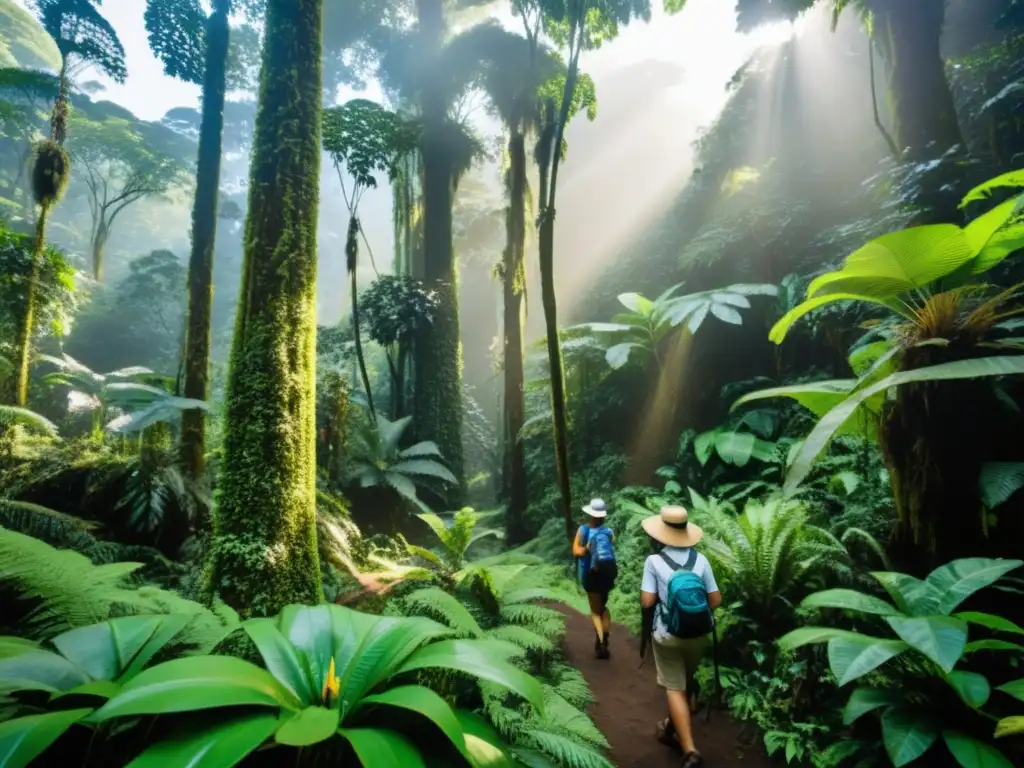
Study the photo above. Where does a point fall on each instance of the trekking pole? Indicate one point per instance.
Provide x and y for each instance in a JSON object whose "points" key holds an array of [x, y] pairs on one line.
{"points": [[718, 681]]}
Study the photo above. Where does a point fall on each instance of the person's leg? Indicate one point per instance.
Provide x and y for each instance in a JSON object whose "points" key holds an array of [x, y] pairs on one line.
{"points": [[596, 613], [669, 658]]}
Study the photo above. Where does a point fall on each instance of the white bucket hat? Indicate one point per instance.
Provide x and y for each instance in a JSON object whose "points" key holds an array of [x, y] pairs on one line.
{"points": [[596, 508]]}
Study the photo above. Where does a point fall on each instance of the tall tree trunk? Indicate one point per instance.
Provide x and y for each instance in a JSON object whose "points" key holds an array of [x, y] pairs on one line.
{"points": [[438, 367], [204, 233], [556, 366], [264, 550], [513, 287], [99, 244], [924, 111], [28, 320]]}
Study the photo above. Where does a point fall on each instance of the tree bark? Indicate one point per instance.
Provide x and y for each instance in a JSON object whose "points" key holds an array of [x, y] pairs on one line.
{"points": [[513, 286], [924, 110], [263, 555], [438, 368], [99, 244], [24, 340], [352, 260], [204, 232]]}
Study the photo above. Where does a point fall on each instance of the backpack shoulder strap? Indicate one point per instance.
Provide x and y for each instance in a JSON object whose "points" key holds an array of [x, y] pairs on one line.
{"points": [[670, 562], [691, 559]]}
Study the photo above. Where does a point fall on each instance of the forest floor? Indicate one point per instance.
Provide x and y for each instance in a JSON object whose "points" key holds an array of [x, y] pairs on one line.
{"points": [[628, 705]]}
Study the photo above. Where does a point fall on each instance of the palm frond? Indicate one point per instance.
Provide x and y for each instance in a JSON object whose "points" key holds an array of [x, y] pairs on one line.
{"points": [[438, 604]]}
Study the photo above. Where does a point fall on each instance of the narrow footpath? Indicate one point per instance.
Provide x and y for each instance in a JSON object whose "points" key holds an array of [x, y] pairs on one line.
{"points": [[629, 704]]}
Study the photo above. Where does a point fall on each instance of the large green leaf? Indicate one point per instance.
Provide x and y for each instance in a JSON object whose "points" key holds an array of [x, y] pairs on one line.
{"points": [[973, 688], [853, 657], [907, 734], [168, 629], [15, 646], [222, 745], [423, 468], [940, 638], [993, 645], [958, 580], [386, 648], [39, 670], [617, 355], [802, 636], [1015, 689], [475, 657], [998, 623], [835, 418], [314, 631], [422, 701], [849, 600], [913, 596], [104, 649], [1003, 242], [483, 744], [971, 753], [1010, 726], [282, 660], [309, 726], [378, 748], [897, 263], [23, 739], [782, 326], [864, 700], [985, 189], [999, 480], [197, 682]]}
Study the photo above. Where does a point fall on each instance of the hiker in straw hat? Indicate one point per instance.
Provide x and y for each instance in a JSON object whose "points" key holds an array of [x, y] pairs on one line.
{"points": [[594, 549], [678, 594]]}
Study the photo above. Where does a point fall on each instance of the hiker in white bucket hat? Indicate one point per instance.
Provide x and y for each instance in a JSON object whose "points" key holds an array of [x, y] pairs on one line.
{"points": [[594, 549]]}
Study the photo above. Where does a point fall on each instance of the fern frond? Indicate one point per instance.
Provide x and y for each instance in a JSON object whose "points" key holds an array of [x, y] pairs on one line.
{"points": [[537, 618], [572, 686], [565, 751], [65, 588], [562, 717], [438, 604], [522, 637]]}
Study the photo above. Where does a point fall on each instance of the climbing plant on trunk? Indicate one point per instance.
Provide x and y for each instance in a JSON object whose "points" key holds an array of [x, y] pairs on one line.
{"points": [[83, 38], [264, 549]]}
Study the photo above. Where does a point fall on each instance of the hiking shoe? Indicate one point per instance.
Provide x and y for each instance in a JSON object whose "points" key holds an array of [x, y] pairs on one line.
{"points": [[602, 653], [692, 760]]}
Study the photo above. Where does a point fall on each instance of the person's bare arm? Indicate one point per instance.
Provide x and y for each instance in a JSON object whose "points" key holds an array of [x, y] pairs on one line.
{"points": [[714, 599], [577, 549], [648, 599]]}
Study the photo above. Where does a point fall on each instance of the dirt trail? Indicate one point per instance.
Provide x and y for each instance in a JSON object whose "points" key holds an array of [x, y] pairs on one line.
{"points": [[629, 704]]}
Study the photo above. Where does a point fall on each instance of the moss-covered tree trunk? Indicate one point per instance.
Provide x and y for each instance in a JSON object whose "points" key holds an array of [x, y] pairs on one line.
{"points": [[513, 288], [264, 550], [924, 111], [204, 233], [23, 342], [438, 368]]}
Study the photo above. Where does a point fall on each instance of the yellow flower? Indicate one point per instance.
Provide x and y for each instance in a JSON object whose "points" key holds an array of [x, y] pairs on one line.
{"points": [[332, 685]]}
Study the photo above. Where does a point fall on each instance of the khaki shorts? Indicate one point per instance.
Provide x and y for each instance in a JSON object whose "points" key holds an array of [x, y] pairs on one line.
{"points": [[677, 660]]}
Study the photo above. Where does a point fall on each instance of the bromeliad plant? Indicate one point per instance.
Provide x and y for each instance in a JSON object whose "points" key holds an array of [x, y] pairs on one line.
{"points": [[333, 675], [931, 642]]}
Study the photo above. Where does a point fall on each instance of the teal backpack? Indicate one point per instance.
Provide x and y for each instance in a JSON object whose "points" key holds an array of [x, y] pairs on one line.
{"points": [[687, 613]]}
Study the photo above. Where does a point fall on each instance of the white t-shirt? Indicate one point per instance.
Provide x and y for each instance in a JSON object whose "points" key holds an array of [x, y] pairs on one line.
{"points": [[657, 573]]}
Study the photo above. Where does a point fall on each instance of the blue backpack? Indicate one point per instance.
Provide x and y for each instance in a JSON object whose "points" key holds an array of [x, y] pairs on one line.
{"points": [[686, 611], [601, 548]]}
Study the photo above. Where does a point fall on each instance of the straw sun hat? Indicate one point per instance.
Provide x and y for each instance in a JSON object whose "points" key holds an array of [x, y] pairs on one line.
{"points": [[672, 528]]}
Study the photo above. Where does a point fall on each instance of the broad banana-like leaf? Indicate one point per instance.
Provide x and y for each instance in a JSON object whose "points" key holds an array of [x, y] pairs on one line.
{"points": [[985, 189], [827, 427], [781, 328], [898, 263], [999, 480]]}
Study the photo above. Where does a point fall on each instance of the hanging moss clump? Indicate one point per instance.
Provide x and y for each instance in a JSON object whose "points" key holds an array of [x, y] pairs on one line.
{"points": [[51, 172]]}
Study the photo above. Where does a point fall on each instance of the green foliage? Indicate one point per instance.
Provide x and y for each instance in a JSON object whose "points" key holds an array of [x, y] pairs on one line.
{"points": [[176, 30], [923, 619], [397, 307], [366, 139], [82, 33], [315, 686], [377, 459]]}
